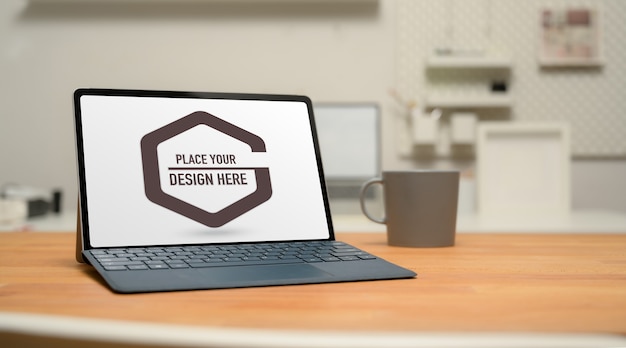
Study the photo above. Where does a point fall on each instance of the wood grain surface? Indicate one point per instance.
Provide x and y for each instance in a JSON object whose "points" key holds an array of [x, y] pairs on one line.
{"points": [[487, 282]]}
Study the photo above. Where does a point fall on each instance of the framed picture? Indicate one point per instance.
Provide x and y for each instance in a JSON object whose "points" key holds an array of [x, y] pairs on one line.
{"points": [[570, 37], [523, 169]]}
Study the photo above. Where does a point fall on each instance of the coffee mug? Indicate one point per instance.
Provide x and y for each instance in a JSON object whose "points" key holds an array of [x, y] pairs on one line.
{"points": [[420, 207]]}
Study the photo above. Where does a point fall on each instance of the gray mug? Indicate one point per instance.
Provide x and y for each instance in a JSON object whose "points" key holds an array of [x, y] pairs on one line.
{"points": [[420, 207]]}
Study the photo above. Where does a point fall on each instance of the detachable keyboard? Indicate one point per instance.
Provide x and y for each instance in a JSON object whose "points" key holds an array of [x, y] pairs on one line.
{"points": [[195, 256]]}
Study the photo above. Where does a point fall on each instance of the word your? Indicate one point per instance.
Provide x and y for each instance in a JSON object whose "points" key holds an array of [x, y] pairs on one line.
{"points": [[198, 179], [204, 159]]}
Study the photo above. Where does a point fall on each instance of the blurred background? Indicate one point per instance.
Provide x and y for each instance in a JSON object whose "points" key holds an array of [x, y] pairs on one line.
{"points": [[501, 90]]}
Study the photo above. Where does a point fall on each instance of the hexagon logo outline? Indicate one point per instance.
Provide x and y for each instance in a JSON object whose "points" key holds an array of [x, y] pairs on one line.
{"points": [[152, 176]]}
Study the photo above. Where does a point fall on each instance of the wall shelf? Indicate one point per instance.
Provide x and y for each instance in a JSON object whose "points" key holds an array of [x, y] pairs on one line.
{"points": [[465, 86], [469, 62], [571, 62], [468, 101]]}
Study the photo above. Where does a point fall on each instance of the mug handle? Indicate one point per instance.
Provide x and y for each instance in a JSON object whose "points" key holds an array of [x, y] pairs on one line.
{"points": [[364, 188]]}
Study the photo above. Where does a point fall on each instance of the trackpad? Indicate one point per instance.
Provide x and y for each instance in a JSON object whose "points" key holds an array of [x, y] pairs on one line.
{"points": [[264, 273]]}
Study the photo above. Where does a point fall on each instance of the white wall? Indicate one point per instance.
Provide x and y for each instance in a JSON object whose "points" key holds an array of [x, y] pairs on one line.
{"points": [[331, 51]]}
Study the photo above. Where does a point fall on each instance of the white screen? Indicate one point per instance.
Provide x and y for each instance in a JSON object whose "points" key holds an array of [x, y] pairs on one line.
{"points": [[119, 211]]}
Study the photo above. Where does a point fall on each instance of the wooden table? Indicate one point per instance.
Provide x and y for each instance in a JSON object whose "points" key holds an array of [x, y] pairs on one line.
{"points": [[541, 283]]}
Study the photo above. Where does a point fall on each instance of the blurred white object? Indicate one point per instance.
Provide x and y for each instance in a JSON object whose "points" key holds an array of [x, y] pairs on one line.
{"points": [[38, 201], [425, 126], [523, 169], [463, 126], [467, 195], [13, 212]]}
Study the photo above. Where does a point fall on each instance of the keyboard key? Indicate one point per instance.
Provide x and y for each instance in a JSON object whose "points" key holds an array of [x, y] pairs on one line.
{"points": [[115, 268], [158, 266], [179, 257], [244, 263], [170, 262], [289, 257], [192, 261], [178, 265], [313, 259], [366, 257], [213, 261], [157, 262], [269, 258], [112, 259], [159, 258], [232, 259], [135, 250], [121, 263]]}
